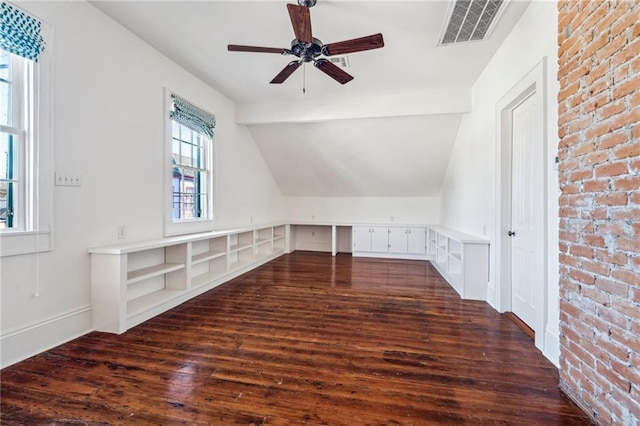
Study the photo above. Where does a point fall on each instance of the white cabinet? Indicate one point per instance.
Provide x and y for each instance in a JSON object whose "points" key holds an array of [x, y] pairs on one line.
{"points": [[410, 240], [370, 239], [400, 242], [462, 260], [131, 283]]}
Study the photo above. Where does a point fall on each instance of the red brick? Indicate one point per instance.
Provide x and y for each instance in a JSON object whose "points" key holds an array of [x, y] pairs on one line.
{"points": [[582, 277], [611, 316], [570, 189], [597, 213], [613, 287], [599, 130], [595, 268], [625, 119], [614, 348], [631, 51], [611, 110], [611, 169], [628, 244], [593, 240], [582, 149], [626, 183], [581, 251], [595, 294], [621, 25], [593, 159], [568, 165], [610, 228], [623, 89], [626, 214], [614, 258], [579, 200], [629, 309], [595, 185], [627, 150], [612, 199], [634, 198], [612, 139], [570, 90], [627, 276]]}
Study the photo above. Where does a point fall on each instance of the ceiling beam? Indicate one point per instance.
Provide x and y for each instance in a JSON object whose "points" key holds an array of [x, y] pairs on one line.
{"points": [[431, 102]]}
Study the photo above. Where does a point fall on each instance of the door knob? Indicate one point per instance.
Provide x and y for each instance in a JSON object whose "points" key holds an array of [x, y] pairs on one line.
{"points": [[511, 233]]}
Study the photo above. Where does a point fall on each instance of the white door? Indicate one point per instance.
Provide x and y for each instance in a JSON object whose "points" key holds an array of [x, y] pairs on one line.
{"points": [[379, 239], [362, 238], [416, 241], [398, 240], [526, 147]]}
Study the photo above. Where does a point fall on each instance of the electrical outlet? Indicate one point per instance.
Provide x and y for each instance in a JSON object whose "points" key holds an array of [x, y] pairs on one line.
{"points": [[122, 232], [68, 179]]}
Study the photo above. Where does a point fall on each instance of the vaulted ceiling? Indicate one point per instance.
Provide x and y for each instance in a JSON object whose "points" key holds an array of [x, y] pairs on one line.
{"points": [[389, 132]]}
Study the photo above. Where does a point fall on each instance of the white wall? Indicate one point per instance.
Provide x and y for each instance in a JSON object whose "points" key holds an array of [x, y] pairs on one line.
{"points": [[469, 189], [108, 127], [366, 210]]}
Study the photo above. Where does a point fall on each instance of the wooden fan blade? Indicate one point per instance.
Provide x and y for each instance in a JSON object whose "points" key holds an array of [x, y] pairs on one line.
{"points": [[239, 48], [286, 72], [374, 41], [333, 71], [301, 21]]}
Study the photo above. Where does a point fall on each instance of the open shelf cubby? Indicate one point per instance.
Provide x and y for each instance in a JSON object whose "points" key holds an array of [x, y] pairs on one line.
{"points": [[462, 260], [133, 282]]}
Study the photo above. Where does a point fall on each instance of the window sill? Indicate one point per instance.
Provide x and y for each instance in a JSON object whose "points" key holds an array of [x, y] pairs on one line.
{"points": [[189, 226], [25, 242]]}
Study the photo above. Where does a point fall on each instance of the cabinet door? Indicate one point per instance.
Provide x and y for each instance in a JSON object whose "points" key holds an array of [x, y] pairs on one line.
{"points": [[398, 240], [416, 241], [362, 238], [380, 239]]}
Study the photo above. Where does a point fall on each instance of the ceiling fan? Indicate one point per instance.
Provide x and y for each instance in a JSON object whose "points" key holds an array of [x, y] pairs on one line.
{"points": [[309, 49]]}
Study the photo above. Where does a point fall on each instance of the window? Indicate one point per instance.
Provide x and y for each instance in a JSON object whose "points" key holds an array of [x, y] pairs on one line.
{"points": [[189, 167], [25, 152], [191, 187], [15, 78]]}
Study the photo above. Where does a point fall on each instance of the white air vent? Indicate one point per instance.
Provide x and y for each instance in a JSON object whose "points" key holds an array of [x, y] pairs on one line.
{"points": [[341, 61], [470, 20]]}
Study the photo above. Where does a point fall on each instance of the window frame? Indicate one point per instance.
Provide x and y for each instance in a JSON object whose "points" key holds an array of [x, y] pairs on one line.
{"points": [[191, 225], [35, 233]]}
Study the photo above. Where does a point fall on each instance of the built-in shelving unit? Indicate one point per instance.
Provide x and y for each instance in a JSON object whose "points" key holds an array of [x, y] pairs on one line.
{"points": [[134, 282], [462, 259]]}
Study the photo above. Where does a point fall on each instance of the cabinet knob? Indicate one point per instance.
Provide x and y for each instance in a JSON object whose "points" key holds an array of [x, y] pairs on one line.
{"points": [[511, 233]]}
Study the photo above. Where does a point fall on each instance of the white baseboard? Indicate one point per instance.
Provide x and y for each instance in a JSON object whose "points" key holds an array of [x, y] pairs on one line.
{"points": [[22, 343], [552, 347]]}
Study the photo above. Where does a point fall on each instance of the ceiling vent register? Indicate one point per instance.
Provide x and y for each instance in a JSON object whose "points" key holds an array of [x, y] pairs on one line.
{"points": [[470, 20]]}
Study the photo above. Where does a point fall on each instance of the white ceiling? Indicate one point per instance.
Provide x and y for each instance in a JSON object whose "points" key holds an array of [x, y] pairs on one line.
{"points": [[399, 148]]}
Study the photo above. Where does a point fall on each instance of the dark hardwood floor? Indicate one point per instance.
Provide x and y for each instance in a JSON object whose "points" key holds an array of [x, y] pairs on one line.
{"points": [[305, 339]]}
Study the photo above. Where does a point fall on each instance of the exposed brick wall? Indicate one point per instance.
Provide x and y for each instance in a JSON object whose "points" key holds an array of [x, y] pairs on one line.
{"points": [[599, 153]]}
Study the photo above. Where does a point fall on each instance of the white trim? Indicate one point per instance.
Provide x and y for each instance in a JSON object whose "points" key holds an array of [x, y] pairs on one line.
{"points": [[26, 341], [38, 235], [532, 84], [552, 346]]}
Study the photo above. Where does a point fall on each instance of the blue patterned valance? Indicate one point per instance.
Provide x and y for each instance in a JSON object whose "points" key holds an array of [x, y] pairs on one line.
{"points": [[20, 33], [185, 113]]}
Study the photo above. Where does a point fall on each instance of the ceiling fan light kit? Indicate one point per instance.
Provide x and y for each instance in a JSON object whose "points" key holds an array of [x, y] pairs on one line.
{"points": [[310, 49]]}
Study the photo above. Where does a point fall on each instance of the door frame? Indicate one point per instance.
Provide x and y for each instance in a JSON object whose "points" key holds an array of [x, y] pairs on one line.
{"points": [[533, 84]]}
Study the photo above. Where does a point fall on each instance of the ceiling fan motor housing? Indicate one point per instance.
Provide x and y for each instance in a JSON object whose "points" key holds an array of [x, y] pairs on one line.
{"points": [[306, 52], [307, 3]]}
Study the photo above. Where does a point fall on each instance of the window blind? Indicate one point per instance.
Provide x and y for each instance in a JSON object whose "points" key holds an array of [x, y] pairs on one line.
{"points": [[20, 33], [187, 114]]}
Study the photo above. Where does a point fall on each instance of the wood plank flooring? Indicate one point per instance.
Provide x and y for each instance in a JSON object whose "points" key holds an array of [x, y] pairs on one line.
{"points": [[305, 339]]}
